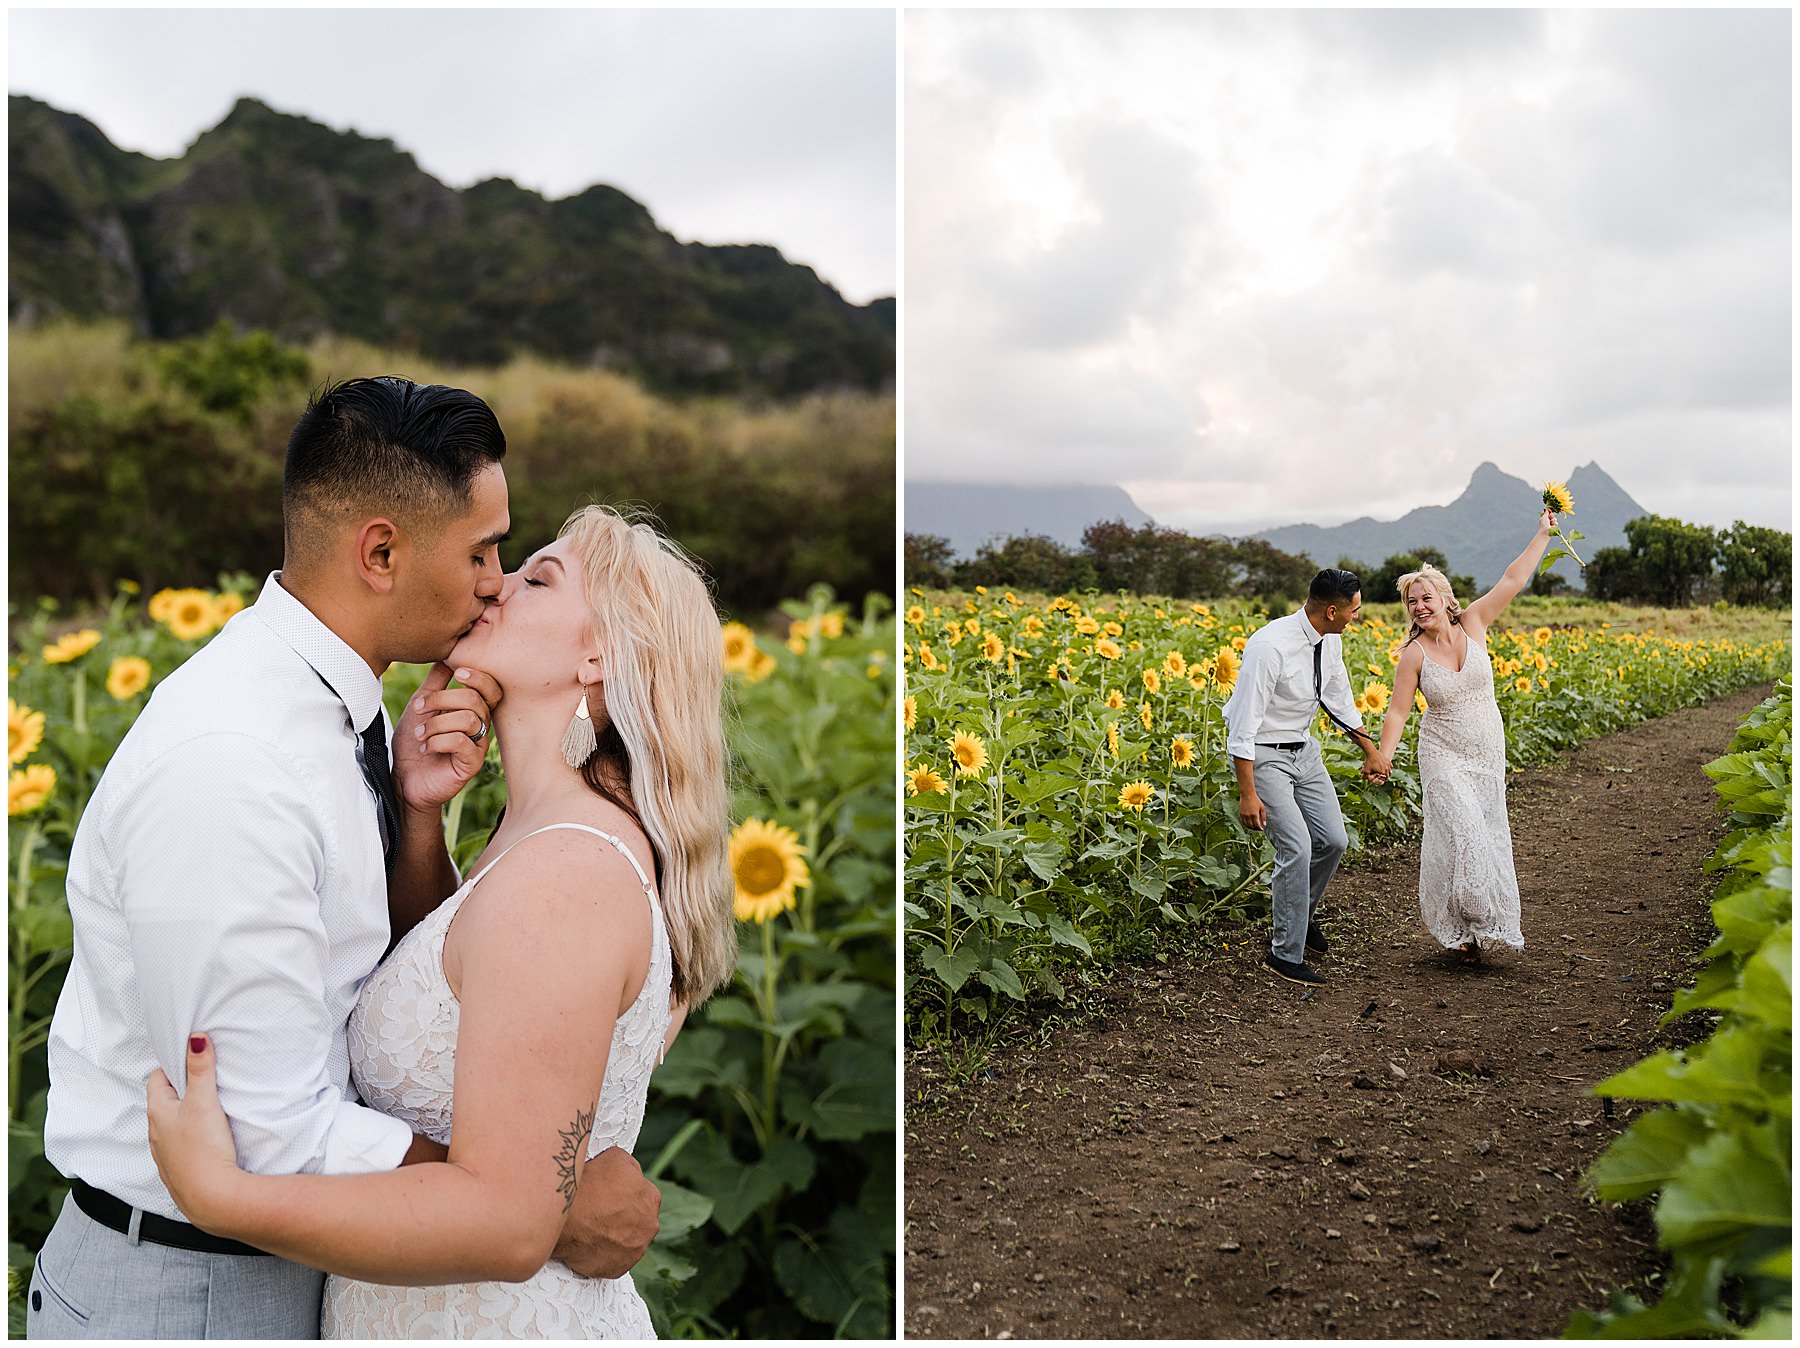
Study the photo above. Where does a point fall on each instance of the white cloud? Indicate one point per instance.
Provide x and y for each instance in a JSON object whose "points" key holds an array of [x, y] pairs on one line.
{"points": [[1319, 265]]}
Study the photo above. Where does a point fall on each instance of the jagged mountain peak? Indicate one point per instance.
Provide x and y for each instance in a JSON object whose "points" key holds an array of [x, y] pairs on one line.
{"points": [[274, 220]]}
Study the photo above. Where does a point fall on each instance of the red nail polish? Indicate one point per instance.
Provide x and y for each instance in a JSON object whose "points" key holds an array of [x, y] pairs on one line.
{"points": [[196, 1043]]}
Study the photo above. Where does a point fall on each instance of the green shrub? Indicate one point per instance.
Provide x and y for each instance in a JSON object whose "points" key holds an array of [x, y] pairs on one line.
{"points": [[1719, 1154]]}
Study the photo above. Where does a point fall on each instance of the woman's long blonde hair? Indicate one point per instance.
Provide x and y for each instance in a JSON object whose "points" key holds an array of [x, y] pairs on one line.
{"points": [[1437, 580], [662, 732]]}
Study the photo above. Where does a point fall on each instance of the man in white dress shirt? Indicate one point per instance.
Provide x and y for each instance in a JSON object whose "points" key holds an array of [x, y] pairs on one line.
{"points": [[248, 856], [1292, 667]]}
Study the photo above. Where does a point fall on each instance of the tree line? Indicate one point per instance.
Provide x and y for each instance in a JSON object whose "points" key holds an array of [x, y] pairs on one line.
{"points": [[1665, 562]]}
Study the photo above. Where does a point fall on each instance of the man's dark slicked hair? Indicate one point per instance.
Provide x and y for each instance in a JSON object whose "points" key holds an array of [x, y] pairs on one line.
{"points": [[1334, 586], [388, 445]]}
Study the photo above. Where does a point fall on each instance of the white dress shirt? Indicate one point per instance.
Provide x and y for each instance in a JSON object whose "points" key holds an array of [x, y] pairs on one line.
{"points": [[1273, 701], [227, 878]]}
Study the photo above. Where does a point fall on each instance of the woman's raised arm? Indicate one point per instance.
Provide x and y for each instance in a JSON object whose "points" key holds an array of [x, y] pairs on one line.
{"points": [[1485, 609]]}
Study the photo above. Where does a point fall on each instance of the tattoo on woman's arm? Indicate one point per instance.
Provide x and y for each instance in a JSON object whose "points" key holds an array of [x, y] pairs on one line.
{"points": [[568, 1155]]}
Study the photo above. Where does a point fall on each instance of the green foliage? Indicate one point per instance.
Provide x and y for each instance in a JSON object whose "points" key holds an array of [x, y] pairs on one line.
{"points": [[1756, 565], [1672, 558], [170, 482], [770, 1128], [227, 373], [1719, 1156], [1115, 556]]}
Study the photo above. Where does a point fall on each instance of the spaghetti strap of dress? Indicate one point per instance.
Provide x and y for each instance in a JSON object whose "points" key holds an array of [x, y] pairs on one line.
{"points": [[617, 842]]}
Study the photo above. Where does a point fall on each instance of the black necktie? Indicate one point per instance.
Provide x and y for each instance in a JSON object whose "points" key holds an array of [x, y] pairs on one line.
{"points": [[1319, 687], [381, 781]]}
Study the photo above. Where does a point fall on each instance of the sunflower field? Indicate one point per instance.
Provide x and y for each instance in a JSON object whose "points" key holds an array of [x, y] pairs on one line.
{"points": [[1069, 797], [770, 1127]]}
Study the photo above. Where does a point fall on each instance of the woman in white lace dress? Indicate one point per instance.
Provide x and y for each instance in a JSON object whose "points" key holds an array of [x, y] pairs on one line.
{"points": [[533, 1004], [1468, 891]]}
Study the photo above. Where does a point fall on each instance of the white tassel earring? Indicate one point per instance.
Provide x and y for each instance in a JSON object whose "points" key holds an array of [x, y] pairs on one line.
{"points": [[579, 741]]}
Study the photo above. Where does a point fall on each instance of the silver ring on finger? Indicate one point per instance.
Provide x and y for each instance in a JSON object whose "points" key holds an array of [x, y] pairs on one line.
{"points": [[480, 734]]}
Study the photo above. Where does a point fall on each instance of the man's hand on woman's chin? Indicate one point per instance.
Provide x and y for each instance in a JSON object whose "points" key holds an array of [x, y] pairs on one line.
{"points": [[443, 736], [613, 1220]]}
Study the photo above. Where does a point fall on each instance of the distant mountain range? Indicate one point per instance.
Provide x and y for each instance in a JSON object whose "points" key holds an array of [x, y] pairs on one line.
{"points": [[1480, 532], [279, 222], [971, 513]]}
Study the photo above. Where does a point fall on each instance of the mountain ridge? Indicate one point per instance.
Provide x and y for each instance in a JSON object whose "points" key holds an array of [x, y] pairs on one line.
{"points": [[1480, 532], [280, 222]]}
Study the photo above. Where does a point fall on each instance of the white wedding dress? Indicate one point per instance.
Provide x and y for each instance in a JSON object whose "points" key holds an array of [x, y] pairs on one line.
{"points": [[1468, 890], [403, 1061]]}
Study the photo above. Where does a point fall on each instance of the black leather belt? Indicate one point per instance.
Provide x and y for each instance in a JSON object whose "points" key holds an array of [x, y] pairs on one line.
{"points": [[115, 1213], [1296, 744]]}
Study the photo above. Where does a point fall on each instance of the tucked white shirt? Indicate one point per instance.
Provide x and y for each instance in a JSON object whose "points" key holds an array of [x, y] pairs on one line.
{"points": [[1273, 701], [227, 878]]}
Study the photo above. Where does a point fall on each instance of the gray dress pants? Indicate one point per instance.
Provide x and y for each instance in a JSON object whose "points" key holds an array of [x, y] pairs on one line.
{"points": [[91, 1282], [1307, 829]]}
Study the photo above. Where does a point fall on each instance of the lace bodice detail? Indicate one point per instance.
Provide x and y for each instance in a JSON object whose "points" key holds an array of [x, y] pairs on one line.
{"points": [[403, 1063], [1467, 886]]}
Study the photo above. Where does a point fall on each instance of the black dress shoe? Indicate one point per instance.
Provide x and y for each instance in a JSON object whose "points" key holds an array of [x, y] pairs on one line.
{"points": [[1315, 939], [1294, 973]]}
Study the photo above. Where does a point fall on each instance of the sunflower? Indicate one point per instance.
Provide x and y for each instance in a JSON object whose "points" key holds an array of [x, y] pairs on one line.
{"points": [[1135, 795], [915, 616], [1152, 681], [1144, 714], [1200, 610], [1419, 700], [1541, 636], [1182, 752], [1523, 683], [761, 667], [1107, 647], [129, 676], [24, 731], [1087, 627], [1237, 644], [831, 625], [993, 648], [226, 607], [1112, 737], [1375, 669], [739, 644], [767, 866], [1175, 663], [1034, 625], [923, 780], [191, 614], [926, 658], [72, 647], [1557, 499], [972, 626], [1376, 695], [909, 711], [28, 788], [1114, 699], [1113, 630], [969, 752], [162, 604], [1225, 667]]}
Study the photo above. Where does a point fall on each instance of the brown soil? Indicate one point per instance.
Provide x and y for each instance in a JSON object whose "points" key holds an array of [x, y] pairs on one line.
{"points": [[1217, 1153]]}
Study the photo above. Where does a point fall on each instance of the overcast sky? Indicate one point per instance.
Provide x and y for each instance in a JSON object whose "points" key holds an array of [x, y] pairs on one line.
{"points": [[1269, 267], [738, 126]]}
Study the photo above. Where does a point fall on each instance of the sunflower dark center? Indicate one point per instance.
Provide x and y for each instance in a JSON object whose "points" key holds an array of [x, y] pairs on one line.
{"points": [[761, 871]]}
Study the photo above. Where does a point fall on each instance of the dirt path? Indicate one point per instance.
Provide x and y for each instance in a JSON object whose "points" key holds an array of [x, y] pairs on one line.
{"points": [[1220, 1154]]}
